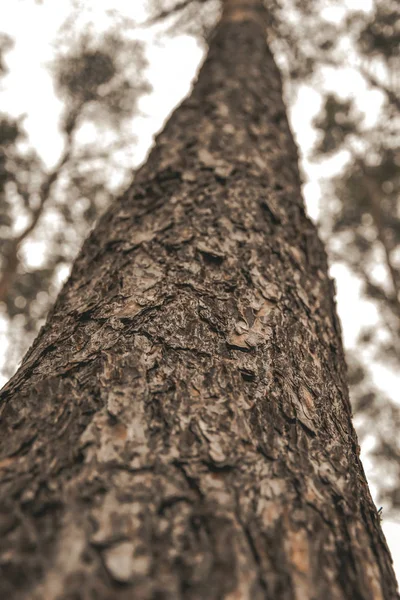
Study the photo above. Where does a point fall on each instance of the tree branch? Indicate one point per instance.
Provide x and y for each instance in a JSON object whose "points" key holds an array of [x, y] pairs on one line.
{"points": [[11, 259], [372, 80], [168, 12], [374, 194]]}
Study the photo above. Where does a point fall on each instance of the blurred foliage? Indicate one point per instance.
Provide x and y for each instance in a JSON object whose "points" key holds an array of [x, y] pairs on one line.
{"points": [[6, 44], [380, 35], [362, 213], [337, 122], [100, 79]]}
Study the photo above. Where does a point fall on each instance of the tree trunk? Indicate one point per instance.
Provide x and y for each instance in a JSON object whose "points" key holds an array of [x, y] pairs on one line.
{"points": [[181, 427]]}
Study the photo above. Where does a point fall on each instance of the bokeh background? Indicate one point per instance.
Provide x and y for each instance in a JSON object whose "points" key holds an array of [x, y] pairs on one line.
{"points": [[85, 85]]}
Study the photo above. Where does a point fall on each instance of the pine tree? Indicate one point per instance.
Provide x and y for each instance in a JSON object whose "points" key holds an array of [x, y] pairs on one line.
{"points": [[181, 426]]}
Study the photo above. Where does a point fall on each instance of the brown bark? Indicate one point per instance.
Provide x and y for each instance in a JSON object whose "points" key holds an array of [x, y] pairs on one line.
{"points": [[181, 427]]}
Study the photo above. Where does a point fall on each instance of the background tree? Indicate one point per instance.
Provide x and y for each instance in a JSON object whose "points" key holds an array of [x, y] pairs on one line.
{"points": [[362, 214], [99, 76]]}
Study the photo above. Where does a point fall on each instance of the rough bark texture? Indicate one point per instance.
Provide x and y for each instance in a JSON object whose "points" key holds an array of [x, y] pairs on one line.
{"points": [[181, 428]]}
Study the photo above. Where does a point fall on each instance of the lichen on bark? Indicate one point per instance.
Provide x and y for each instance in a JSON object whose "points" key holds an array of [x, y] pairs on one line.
{"points": [[181, 427]]}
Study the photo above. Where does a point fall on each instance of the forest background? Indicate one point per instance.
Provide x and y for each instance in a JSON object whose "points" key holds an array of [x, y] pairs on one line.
{"points": [[85, 86]]}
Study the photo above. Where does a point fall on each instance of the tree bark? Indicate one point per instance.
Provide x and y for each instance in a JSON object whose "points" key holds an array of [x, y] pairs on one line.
{"points": [[181, 427]]}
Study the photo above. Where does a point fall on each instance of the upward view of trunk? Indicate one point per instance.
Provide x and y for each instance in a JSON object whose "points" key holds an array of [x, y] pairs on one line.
{"points": [[181, 427]]}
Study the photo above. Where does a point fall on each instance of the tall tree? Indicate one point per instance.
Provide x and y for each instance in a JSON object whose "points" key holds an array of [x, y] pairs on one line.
{"points": [[181, 426]]}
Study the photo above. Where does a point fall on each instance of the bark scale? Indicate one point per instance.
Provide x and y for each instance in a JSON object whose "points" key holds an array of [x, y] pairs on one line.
{"points": [[181, 427]]}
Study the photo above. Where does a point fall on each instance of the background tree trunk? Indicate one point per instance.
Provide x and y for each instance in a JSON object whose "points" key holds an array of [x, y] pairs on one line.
{"points": [[181, 427]]}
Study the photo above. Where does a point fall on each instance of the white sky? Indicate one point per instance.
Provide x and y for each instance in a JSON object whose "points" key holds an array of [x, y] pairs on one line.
{"points": [[28, 89]]}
